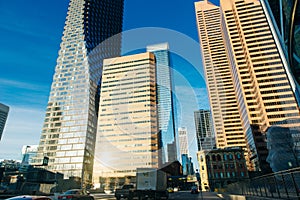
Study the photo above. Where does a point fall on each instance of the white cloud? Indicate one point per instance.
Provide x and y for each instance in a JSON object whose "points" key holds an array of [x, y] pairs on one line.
{"points": [[23, 94], [23, 127], [22, 85]]}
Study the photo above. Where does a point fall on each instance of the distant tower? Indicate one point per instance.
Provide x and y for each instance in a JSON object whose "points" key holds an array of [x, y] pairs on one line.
{"points": [[68, 137], [183, 141], [204, 130], [3, 117], [127, 135], [164, 101]]}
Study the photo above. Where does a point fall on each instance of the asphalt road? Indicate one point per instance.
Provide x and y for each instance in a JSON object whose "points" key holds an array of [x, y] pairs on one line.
{"points": [[181, 195], [186, 195]]}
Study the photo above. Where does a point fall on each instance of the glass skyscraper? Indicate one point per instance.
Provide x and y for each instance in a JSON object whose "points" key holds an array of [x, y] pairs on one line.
{"points": [[166, 121], [204, 130], [3, 117], [91, 33], [285, 15]]}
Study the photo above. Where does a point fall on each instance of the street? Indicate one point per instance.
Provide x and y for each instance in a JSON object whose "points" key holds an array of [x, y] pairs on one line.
{"points": [[186, 195], [181, 195]]}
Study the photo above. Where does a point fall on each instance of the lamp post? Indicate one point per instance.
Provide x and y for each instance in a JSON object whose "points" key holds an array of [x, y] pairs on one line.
{"points": [[199, 182]]}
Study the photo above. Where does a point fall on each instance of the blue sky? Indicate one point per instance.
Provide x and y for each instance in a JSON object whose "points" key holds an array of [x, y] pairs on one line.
{"points": [[30, 35]]}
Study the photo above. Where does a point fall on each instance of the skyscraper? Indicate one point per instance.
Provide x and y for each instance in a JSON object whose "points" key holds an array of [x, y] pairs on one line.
{"points": [[204, 130], [223, 102], [261, 85], [127, 135], [166, 121], [285, 16], [69, 131], [183, 141], [264, 92], [3, 117]]}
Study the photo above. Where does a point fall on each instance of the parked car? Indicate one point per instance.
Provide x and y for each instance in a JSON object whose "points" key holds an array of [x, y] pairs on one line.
{"points": [[124, 191], [194, 190], [77, 194], [27, 197]]}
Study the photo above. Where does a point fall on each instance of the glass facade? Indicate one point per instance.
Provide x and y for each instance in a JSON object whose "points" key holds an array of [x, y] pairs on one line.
{"points": [[164, 102], [3, 117], [28, 153], [204, 130], [283, 145], [285, 15], [69, 131]]}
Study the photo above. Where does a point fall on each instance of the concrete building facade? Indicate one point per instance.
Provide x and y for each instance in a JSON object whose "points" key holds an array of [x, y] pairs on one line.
{"points": [[223, 102], [127, 135], [262, 88], [265, 95], [221, 167], [183, 141]]}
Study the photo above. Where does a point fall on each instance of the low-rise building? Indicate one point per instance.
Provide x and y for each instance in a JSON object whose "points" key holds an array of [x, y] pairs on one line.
{"points": [[220, 167]]}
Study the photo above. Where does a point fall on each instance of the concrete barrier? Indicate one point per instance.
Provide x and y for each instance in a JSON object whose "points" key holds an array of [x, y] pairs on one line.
{"points": [[231, 196], [242, 197]]}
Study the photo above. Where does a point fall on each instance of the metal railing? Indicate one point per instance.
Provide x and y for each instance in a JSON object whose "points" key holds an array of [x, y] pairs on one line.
{"points": [[280, 185]]}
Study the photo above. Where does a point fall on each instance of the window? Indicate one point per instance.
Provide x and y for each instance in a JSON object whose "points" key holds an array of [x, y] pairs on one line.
{"points": [[213, 157]]}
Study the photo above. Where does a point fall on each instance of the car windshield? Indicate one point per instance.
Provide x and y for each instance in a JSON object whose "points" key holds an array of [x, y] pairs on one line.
{"points": [[72, 192], [127, 186]]}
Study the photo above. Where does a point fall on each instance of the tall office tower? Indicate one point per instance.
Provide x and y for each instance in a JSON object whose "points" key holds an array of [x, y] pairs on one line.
{"points": [[285, 16], [166, 121], [3, 117], [183, 141], [223, 102], [204, 130], [265, 95], [69, 131], [127, 134]]}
